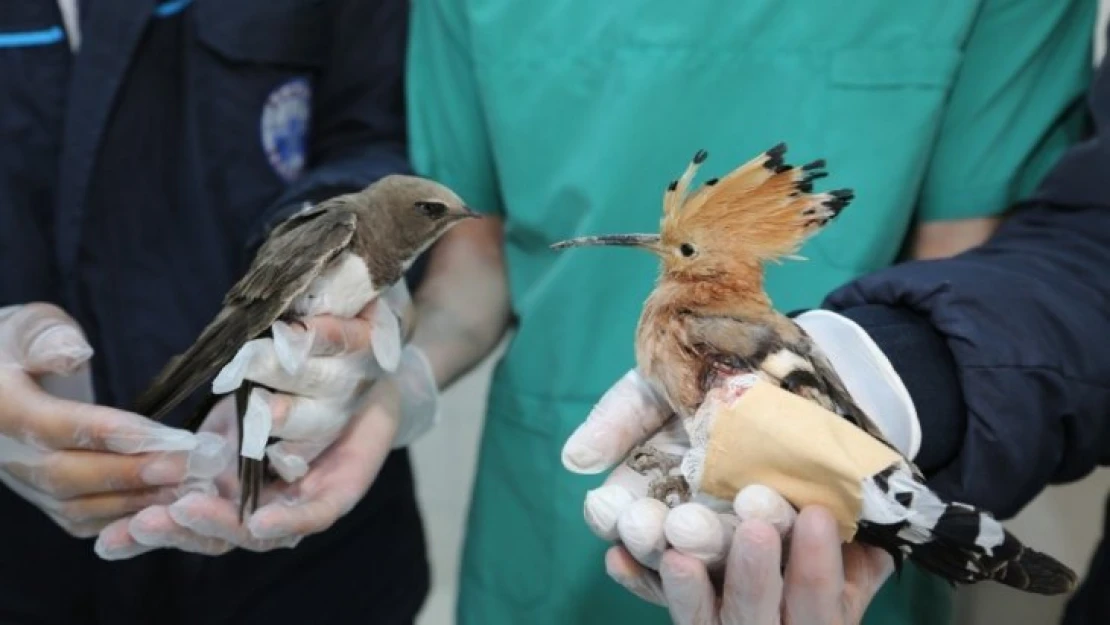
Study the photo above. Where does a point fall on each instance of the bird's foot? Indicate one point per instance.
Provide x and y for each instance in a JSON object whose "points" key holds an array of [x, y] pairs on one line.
{"points": [[672, 490], [290, 318], [669, 487], [645, 458]]}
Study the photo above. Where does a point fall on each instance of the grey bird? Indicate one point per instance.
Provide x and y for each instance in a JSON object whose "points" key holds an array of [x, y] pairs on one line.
{"points": [[333, 257]]}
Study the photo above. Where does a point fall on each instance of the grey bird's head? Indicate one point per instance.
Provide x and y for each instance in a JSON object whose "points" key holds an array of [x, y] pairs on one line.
{"points": [[422, 210]]}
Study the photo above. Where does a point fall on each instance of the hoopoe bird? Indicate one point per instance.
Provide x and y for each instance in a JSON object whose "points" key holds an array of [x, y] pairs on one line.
{"points": [[709, 320]]}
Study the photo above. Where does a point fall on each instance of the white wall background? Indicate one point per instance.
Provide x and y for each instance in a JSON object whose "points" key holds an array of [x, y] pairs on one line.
{"points": [[1064, 521]]}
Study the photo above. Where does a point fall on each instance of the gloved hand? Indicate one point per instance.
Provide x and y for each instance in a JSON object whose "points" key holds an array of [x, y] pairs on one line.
{"points": [[630, 413], [322, 370], [620, 511], [824, 583], [83, 465], [334, 364]]}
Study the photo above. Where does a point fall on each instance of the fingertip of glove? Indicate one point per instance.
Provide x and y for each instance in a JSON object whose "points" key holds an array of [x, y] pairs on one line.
{"points": [[210, 457], [582, 459], [603, 508], [758, 502], [641, 526], [289, 466], [291, 347], [689, 527], [59, 348]]}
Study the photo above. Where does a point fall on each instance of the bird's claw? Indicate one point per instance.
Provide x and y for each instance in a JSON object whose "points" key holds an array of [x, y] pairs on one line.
{"points": [[645, 458], [672, 490]]}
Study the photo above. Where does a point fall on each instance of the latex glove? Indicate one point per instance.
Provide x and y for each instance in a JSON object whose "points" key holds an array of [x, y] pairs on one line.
{"points": [[620, 511], [334, 360], [667, 556], [630, 413], [154, 527], [208, 523], [83, 465], [824, 583], [868, 376], [321, 370]]}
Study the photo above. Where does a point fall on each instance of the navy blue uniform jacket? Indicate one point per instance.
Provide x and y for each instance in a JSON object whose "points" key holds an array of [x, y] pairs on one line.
{"points": [[136, 178], [1005, 349]]}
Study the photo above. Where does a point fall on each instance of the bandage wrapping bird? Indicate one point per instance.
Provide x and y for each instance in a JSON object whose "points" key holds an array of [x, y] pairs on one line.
{"points": [[709, 320], [332, 258]]}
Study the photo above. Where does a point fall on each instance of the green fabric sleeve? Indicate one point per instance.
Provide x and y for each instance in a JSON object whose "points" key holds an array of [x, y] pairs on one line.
{"points": [[448, 137], [1014, 108]]}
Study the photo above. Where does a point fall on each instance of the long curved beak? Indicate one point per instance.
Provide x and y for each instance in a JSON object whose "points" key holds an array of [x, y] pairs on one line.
{"points": [[648, 242]]}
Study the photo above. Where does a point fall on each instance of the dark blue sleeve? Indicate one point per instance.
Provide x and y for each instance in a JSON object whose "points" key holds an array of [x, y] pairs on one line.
{"points": [[358, 121], [1024, 397], [1024, 318]]}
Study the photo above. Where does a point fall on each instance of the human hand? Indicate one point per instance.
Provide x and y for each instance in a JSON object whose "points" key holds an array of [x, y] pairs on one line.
{"points": [[824, 583], [666, 556], [83, 465], [320, 371], [620, 510], [631, 413], [313, 417]]}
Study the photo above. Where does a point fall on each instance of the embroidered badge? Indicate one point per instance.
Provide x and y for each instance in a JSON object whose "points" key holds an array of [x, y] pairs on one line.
{"points": [[284, 125]]}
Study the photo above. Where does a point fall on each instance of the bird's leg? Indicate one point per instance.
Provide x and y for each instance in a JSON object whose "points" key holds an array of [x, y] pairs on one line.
{"points": [[647, 457], [670, 489], [290, 318]]}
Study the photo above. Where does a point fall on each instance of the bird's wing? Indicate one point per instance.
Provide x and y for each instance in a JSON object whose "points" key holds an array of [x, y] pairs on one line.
{"points": [[296, 251], [781, 352], [291, 257]]}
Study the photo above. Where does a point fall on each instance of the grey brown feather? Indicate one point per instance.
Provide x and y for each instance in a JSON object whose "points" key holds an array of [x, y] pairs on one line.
{"points": [[283, 268], [738, 344]]}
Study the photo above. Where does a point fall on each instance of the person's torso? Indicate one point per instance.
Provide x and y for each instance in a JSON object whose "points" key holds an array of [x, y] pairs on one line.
{"points": [[131, 172], [594, 107], [129, 176]]}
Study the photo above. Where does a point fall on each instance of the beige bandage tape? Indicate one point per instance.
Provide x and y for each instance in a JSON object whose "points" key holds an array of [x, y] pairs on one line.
{"points": [[808, 454]]}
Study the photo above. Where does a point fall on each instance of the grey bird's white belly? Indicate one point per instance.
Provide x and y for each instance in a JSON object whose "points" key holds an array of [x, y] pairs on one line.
{"points": [[343, 289]]}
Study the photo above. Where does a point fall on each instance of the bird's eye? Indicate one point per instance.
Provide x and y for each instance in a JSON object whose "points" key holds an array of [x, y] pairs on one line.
{"points": [[686, 250], [432, 210]]}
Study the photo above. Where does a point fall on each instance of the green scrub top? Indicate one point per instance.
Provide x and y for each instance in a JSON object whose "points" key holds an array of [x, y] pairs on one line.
{"points": [[568, 117]]}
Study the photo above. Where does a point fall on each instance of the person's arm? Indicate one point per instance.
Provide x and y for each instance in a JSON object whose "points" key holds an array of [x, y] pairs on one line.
{"points": [[1001, 347], [1012, 111], [462, 306], [1002, 351], [357, 130]]}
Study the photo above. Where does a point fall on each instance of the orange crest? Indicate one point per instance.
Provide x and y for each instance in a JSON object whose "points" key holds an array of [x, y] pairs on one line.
{"points": [[761, 211]]}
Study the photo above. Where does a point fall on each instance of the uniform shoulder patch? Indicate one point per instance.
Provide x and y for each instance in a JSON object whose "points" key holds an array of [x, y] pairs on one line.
{"points": [[284, 127]]}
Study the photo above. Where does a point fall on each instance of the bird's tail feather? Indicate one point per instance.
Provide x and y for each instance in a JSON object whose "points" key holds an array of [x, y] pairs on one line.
{"points": [[953, 540], [251, 472], [187, 372]]}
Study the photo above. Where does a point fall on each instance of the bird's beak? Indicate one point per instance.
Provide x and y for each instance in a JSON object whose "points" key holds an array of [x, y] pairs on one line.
{"points": [[468, 213], [648, 242]]}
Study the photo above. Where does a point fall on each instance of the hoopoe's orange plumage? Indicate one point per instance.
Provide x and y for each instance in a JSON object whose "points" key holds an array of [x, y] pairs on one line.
{"points": [[708, 314], [762, 211]]}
